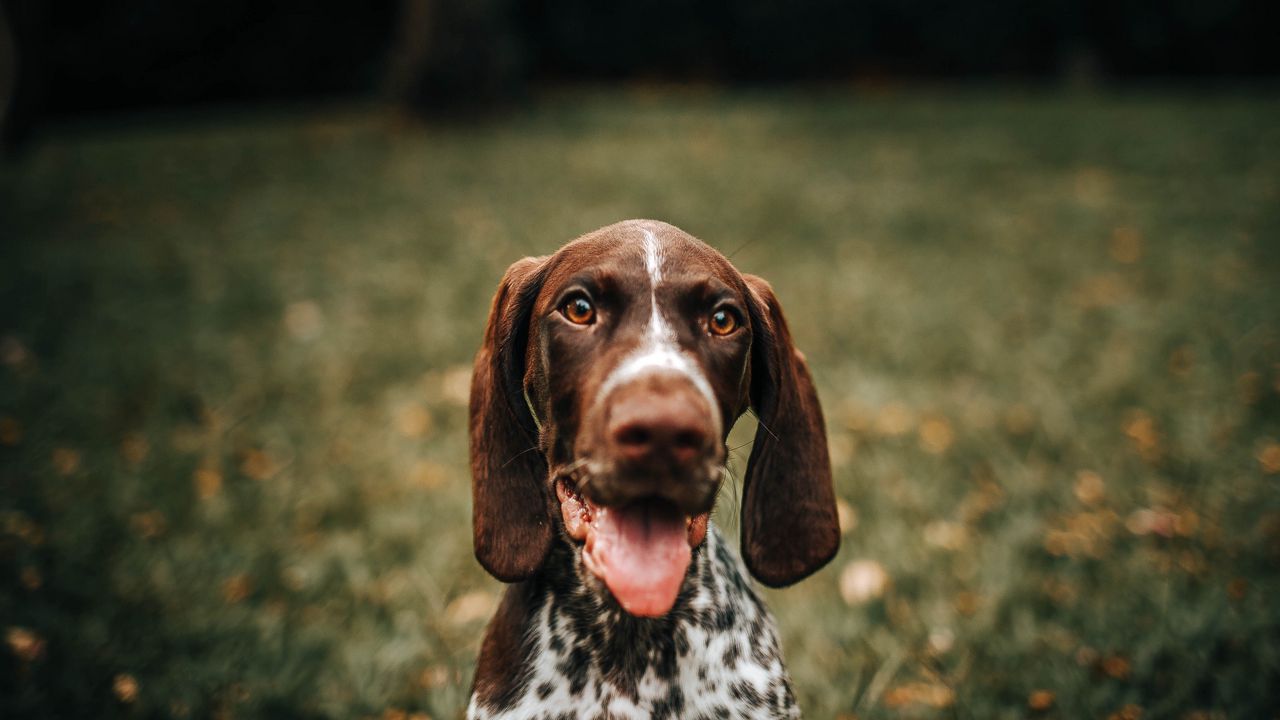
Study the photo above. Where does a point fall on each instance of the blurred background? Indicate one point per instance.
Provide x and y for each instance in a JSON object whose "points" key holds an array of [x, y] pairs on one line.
{"points": [[1032, 251]]}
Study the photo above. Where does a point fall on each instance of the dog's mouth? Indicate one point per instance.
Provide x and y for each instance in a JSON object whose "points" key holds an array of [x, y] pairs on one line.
{"points": [[640, 551]]}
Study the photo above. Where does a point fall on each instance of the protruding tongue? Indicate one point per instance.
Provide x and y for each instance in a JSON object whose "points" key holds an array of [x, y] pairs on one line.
{"points": [[641, 552]]}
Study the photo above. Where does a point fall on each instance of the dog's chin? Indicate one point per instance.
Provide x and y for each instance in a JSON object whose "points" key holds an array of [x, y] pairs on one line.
{"points": [[640, 551]]}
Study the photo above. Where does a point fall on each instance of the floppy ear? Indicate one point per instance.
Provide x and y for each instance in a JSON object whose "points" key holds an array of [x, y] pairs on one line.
{"points": [[789, 523], [512, 532]]}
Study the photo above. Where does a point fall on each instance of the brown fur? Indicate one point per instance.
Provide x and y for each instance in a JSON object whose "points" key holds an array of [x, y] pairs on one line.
{"points": [[512, 529], [789, 524], [498, 677], [785, 541]]}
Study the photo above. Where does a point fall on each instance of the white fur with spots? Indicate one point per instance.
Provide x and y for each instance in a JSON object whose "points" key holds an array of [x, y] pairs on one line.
{"points": [[728, 666]]}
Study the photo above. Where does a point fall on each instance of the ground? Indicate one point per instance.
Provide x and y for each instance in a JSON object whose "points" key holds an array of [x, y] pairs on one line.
{"points": [[234, 356]]}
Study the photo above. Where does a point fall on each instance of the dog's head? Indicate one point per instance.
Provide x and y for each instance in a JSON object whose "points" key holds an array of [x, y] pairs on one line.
{"points": [[609, 378]]}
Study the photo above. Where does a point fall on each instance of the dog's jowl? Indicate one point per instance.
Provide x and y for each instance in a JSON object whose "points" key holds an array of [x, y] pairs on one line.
{"points": [[610, 375]]}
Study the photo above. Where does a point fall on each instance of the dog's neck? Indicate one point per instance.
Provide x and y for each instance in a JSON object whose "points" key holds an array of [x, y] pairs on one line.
{"points": [[583, 620], [717, 633]]}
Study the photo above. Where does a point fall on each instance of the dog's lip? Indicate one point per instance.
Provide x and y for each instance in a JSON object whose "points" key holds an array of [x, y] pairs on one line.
{"points": [[578, 511], [640, 551]]}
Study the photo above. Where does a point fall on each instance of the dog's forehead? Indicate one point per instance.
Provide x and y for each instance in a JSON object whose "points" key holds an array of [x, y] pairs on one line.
{"points": [[640, 252]]}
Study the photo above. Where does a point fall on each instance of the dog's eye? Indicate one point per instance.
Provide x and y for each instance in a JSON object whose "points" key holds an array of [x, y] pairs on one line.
{"points": [[579, 311], [723, 322]]}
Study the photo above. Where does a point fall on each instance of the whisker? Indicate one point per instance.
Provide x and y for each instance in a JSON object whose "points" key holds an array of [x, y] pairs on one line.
{"points": [[740, 248], [730, 476], [522, 452], [766, 427], [570, 473], [569, 470], [580, 479], [732, 482]]}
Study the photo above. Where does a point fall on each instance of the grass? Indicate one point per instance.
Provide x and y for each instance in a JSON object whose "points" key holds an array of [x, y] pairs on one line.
{"points": [[1044, 328]]}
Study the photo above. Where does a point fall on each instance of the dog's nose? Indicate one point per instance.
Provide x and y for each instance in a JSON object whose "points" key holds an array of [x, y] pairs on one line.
{"points": [[651, 427]]}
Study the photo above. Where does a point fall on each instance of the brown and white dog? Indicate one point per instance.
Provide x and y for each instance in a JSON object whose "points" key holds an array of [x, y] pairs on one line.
{"points": [[609, 378]]}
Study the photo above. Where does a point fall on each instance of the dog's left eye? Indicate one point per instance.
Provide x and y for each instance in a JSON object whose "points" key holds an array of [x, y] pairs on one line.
{"points": [[722, 322], [579, 311]]}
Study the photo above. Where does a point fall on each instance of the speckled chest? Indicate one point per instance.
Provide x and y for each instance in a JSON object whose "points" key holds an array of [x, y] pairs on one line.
{"points": [[715, 655]]}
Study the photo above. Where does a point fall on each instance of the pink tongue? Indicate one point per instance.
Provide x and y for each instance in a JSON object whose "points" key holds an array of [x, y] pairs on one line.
{"points": [[641, 552]]}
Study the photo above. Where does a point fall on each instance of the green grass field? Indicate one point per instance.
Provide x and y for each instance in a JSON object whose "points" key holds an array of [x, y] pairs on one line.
{"points": [[234, 354]]}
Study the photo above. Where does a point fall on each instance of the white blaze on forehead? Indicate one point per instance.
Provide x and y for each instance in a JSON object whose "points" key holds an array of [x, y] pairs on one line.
{"points": [[652, 261], [660, 349]]}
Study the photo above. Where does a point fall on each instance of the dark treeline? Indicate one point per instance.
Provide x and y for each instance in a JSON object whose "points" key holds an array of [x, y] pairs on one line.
{"points": [[75, 57]]}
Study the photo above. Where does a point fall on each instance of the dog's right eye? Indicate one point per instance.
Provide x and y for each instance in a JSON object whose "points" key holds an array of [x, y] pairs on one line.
{"points": [[723, 322], [579, 311]]}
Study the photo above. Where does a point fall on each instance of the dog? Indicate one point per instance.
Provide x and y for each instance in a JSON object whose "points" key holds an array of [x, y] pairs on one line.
{"points": [[609, 377]]}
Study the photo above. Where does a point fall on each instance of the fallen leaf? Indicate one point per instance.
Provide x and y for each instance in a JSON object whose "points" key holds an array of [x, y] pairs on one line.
{"points": [[1269, 457], [936, 435], [236, 588], [65, 460], [427, 475], [125, 687], [10, 431], [946, 535], [1089, 487], [1040, 700], [257, 465], [413, 421], [862, 580], [929, 694], [134, 448], [846, 515], [894, 419], [470, 607], [208, 483], [1128, 712], [456, 385], [1126, 245], [1116, 666], [25, 644], [303, 320]]}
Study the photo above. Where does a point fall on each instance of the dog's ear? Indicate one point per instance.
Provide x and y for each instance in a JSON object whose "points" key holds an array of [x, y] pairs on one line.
{"points": [[512, 532], [789, 523]]}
